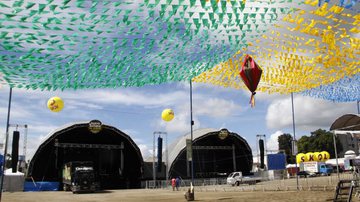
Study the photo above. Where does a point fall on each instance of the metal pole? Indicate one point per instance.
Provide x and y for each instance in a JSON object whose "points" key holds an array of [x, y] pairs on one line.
{"points": [[358, 107], [154, 172], [293, 119], [257, 152], [167, 158], [6, 143], [336, 156], [191, 132], [25, 141]]}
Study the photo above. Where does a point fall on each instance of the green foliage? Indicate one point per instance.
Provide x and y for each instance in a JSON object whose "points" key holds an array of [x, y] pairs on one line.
{"points": [[285, 145], [319, 140]]}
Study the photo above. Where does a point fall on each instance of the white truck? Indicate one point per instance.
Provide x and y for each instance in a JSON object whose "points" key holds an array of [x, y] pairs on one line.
{"points": [[234, 178], [317, 168]]}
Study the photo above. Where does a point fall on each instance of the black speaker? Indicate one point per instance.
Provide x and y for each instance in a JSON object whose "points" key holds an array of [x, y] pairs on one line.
{"points": [[159, 156], [261, 146], [15, 151]]}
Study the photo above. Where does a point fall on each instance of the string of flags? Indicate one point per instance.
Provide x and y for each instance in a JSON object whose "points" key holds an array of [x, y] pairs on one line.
{"points": [[302, 46]]}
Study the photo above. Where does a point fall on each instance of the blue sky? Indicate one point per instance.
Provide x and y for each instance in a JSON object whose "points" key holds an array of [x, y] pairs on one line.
{"points": [[137, 112]]}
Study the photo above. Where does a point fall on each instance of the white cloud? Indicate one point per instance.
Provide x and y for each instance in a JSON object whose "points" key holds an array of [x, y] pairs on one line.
{"points": [[131, 97], [202, 106], [16, 112], [43, 129], [180, 123], [215, 107], [310, 114], [272, 142], [96, 98], [145, 151]]}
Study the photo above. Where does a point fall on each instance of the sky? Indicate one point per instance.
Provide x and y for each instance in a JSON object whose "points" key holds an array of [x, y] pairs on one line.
{"points": [[137, 112]]}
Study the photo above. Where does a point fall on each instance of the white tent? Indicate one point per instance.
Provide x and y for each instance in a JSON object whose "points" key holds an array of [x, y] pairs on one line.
{"points": [[346, 124], [332, 162]]}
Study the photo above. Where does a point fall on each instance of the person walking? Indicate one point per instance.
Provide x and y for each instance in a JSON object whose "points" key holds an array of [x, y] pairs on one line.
{"points": [[173, 183], [177, 183]]}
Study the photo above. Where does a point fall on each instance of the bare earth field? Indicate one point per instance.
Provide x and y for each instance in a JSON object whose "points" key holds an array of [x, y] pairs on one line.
{"points": [[167, 195], [310, 189]]}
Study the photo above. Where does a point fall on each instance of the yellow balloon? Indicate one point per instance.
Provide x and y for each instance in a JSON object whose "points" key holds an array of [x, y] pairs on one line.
{"points": [[310, 156], [301, 157], [55, 104], [317, 157], [320, 156], [167, 114], [325, 155]]}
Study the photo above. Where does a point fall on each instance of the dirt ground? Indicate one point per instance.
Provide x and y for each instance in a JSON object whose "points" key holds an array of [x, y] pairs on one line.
{"points": [[144, 195], [311, 189]]}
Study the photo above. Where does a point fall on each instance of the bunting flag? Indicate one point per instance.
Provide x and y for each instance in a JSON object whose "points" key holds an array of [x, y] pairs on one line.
{"points": [[312, 47], [301, 45], [59, 44], [343, 90]]}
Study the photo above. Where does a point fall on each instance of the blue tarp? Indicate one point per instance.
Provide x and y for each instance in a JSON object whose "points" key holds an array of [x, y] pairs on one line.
{"points": [[41, 186]]}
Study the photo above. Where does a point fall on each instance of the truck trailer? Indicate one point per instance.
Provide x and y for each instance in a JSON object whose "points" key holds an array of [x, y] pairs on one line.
{"points": [[79, 176], [317, 168]]}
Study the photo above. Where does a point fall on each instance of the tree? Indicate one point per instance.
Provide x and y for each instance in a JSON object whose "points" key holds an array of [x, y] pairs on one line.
{"points": [[285, 141], [303, 144], [319, 140]]}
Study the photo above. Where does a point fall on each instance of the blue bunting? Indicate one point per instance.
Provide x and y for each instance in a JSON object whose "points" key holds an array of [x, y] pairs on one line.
{"points": [[344, 90], [321, 1], [343, 3]]}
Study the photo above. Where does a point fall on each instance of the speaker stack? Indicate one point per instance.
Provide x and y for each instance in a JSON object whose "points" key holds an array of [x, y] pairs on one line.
{"points": [[261, 146], [159, 156], [15, 151]]}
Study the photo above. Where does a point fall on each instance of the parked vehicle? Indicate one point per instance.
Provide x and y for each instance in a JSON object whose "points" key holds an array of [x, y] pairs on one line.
{"points": [[79, 176], [318, 168], [305, 174], [235, 178]]}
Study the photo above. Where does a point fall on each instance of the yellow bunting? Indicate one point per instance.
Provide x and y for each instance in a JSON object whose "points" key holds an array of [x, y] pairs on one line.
{"points": [[304, 50]]}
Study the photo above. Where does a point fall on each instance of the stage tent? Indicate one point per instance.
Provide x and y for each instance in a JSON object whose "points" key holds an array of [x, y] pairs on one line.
{"points": [[346, 124]]}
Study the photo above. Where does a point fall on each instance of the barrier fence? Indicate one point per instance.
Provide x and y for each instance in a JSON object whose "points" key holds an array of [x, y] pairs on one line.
{"points": [[319, 183]]}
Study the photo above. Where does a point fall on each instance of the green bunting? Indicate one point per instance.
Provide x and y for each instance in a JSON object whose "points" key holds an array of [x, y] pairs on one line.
{"points": [[59, 44]]}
